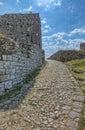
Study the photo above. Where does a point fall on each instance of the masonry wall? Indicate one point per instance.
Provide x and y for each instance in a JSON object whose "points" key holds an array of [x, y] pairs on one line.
{"points": [[25, 29], [21, 50], [15, 67]]}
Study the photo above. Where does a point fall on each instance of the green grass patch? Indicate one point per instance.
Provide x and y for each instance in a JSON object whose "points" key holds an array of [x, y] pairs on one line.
{"points": [[79, 76], [81, 125], [31, 76], [77, 68], [10, 92], [34, 73], [79, 62]]}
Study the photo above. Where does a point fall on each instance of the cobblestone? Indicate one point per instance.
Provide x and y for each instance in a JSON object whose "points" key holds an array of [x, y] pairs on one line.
{"points": [[52, 103]]}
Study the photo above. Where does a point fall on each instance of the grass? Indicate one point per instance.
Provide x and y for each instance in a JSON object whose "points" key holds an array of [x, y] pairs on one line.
{"points": [[79, 76], [10, 93], [2, 35], [34, 73], [77, 68], [31, 76]]}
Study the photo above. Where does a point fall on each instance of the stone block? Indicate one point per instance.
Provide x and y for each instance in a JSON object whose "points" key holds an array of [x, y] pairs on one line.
{"points": [[8, 84], [8, 70], [12, 77], [1, 89], [4, 78], [2, 72], [7, 64], [4, 57], [13, 71], [9, 58], [1, 64]]}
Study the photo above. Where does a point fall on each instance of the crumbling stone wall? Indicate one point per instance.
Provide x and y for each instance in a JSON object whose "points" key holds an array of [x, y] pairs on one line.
{"points": [[21, 50], [25, 29]]}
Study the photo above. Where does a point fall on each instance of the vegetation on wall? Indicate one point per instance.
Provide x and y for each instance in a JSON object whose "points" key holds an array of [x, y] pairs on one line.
{"points": [[34, 73], [8, 46]]}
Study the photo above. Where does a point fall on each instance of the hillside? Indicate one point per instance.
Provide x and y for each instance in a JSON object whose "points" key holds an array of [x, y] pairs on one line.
{"points": [[67, 55]]}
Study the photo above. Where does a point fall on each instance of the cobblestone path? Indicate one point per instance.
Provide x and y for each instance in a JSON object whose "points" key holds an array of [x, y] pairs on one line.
{"points": [[53, 103]]}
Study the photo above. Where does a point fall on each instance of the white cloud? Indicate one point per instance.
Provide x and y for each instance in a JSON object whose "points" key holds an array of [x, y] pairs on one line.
{"points": [[17, 1], [55, 36], [59, 34], [1, 3], [46, 28], [28, 9], [39, 4], [57, 3], [49, 3], [61, 41], [75, 43], [43, 21], [77, 31], [43, 2]]}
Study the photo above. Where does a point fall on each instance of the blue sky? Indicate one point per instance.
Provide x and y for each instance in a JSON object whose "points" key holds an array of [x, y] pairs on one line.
{"points": [[63, 21]]}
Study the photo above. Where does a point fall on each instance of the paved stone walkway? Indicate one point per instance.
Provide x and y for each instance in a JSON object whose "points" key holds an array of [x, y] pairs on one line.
{"points": [[53, 103]]}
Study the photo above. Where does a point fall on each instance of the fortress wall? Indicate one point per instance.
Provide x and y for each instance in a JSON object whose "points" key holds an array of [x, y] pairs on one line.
{"points": [[21, 51], [15, 67], [25, 29]]}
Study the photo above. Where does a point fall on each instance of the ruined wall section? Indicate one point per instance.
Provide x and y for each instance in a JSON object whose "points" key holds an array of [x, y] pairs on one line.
{"points": [[25, 29], [21, 50], [14, 66]]}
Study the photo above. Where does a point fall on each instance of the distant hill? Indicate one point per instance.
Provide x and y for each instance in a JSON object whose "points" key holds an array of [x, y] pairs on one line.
{"points": [[67, 55]]}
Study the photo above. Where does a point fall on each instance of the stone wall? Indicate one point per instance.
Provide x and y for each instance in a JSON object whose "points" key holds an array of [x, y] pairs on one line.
{"points": [[20, 50], [82, 46], [15, 67], [25, 29]]}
